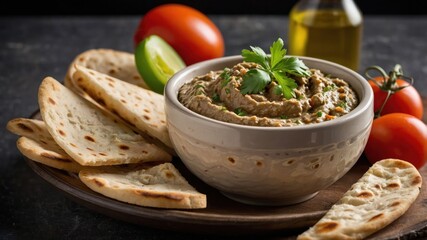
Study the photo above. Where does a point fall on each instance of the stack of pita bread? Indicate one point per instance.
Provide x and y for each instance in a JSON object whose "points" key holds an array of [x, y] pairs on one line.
{"points": [[107, 127]]}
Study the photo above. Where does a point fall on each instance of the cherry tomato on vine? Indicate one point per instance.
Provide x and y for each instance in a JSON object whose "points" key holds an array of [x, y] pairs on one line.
{"points": [[398, 135], [406, 100], [191, 33]]}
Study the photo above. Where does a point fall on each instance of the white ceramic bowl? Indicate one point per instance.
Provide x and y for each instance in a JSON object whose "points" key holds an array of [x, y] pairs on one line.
{"points": [[268, 165]]}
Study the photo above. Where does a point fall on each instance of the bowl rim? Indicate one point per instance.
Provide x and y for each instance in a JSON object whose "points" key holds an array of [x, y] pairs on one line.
{"points": [[172, 88]]}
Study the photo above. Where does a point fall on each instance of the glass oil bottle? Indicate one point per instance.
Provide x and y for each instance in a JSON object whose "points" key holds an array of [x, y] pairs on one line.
{"points": [[326, 29]]}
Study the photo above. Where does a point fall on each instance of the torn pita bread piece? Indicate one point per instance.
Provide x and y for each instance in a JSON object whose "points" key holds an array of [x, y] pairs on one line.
{"points": [[141, 108], [31, 128], [47, 155], [87, 134], [118, 64], [161, 186], [44, 154], [380, 196], [37, 144]]}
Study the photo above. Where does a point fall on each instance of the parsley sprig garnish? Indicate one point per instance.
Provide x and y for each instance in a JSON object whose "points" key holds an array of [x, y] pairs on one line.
{"points": [[275, 67]]}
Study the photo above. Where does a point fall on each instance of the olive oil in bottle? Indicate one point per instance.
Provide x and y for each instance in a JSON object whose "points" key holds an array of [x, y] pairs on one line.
{"points": [[326, 29]]}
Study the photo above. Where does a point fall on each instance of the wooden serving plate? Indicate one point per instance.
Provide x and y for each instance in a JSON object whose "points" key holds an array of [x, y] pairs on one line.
{"points": [[227, 217]]}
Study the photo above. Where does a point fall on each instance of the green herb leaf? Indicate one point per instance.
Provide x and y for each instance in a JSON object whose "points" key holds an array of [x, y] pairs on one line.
{"points": [[293, 66], [216, 97], [254, 81], [240, 112], [277, 90], [275, 67], [287, 84], [319, 114], [226, 71], [257, 55], [342, 104], [226, 77], [327, 88], [277, 53]]}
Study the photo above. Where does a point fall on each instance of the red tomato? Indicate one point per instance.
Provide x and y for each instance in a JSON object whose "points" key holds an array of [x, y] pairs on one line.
{"points": [[191, 33], [398, 135], [407, 100]]}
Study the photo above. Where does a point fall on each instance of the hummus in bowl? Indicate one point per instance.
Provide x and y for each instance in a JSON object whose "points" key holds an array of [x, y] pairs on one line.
{"points": [[318, 98], [268, 158]]}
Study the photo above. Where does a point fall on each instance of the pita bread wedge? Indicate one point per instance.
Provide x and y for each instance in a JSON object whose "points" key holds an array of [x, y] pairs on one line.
{"points": [[142, 108], [380, 196], [37, 144], [31, 128], [114, 63], [161, 186], [47, 155], [87, 134]]}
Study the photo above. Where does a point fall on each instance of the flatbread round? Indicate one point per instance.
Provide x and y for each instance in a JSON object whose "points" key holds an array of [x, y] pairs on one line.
{"points": [[160, 186], [141, 108], [114, 63], [87, 134], [380, 196]]}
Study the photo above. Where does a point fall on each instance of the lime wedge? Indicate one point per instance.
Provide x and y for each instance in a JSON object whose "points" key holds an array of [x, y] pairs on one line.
{"points": [[157, 62]]}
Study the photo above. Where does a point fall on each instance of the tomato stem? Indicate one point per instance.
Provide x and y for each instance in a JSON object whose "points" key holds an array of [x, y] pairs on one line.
{"points": [[388, 83], [378, 113]]}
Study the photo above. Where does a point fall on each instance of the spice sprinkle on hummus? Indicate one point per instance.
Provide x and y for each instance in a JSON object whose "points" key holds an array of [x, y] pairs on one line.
{"points": [[312, 97]]}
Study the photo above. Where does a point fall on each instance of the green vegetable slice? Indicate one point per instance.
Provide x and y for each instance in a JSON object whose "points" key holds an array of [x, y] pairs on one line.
{"points": [[157, 62]]}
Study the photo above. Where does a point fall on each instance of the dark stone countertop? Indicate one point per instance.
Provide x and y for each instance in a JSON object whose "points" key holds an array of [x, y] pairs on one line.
{"points": [[34, 47]]}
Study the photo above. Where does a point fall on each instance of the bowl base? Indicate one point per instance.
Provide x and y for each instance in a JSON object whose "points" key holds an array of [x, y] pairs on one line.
{"points": [[268, 202]]}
